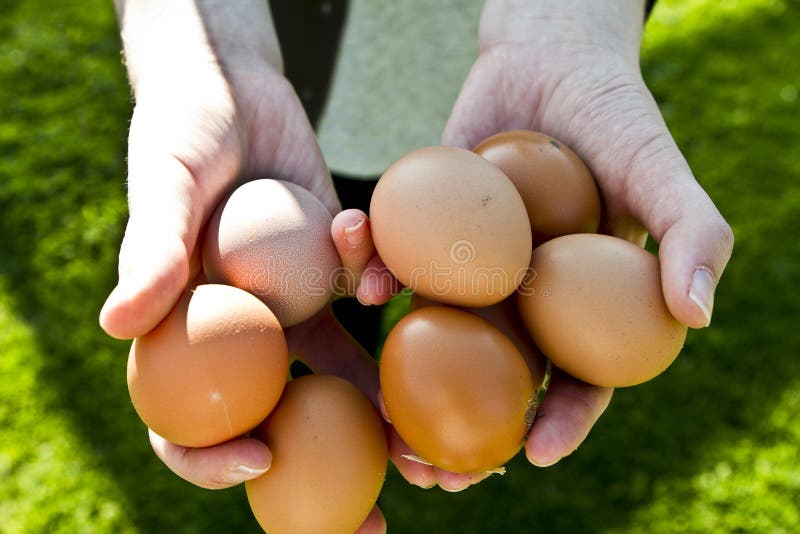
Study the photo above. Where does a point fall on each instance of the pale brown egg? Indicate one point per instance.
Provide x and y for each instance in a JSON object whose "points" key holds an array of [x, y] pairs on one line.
{"points": [[456, 389], [594, 305], [329, 456], [212, 370], [451, 226], [559, 192], [273, 239]]}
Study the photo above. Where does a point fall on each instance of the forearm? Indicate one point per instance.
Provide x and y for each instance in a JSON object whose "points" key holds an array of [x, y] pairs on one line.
{"points": [[173, 39], [614, 25]]}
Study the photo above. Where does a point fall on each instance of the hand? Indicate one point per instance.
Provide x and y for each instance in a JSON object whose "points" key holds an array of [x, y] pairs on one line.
{"points": [[570, 69], [212, 108], [322, 344]]}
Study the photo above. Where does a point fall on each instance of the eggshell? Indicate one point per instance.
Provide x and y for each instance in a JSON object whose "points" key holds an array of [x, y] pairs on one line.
{"points": [[451, 226], [212, 370], [594, 305], [559, 192], [329, 457], [505, 317], [456, 389], [273, 239]]}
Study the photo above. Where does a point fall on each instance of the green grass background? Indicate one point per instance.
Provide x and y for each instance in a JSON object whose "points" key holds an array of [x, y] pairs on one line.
{"points": [[710, 446]]}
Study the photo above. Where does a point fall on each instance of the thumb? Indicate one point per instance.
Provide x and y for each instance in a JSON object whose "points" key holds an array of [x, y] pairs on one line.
{"points": [[154, 259], [695, 242], [179, 162]]}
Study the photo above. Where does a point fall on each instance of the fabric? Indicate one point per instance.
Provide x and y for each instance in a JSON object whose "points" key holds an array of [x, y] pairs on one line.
{"points": [[399, 69]]}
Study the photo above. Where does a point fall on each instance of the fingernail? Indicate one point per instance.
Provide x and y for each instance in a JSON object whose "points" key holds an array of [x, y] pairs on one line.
{"points": [[544, 462], [453, 490], [241, 473], [702, 291], [351, 233], [360, 300], [370, 284]]}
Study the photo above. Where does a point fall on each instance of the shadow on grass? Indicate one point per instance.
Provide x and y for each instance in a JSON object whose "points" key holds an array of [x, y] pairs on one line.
{"points": [[62, 214], [65, 109]]}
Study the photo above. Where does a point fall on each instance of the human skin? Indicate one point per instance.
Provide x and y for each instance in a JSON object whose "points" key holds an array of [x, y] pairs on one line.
{"points": [[570, 68], [213, 109]]}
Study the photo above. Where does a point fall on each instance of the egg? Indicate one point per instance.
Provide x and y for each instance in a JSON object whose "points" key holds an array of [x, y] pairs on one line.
{"points": [[456, 389], [594, 305], [505, 317], [451, 226], [273, 239], [329, 457], [212, 370], [557, 188]]}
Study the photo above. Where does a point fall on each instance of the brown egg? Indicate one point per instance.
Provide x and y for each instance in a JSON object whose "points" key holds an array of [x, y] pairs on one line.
{"points": [[212, 370], [558, 190], [456, 389], [273, 239], [505, 317], [595, 307], [329, 457], [451, 226]]}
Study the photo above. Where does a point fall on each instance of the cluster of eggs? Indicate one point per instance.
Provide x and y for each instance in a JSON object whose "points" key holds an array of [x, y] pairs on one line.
{"points": [[216, 367], [499, 246]]}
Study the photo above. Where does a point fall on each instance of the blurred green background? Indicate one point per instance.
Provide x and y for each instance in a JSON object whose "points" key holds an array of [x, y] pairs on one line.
{"points": [[710, 446]]}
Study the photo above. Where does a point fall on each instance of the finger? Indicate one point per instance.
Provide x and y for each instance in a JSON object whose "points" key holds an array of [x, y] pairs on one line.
{"points": [[351, 235], [473, 117], [644, 177], [154, 259], [407, 463], [325, 346], [695, 242], [217, 467], [374, 524], [168, 203], [377, 285], [455, 482], [567, 414]]}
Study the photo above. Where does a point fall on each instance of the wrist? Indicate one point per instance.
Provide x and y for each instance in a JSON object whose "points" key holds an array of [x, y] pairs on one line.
{"points": [[168, 42], [565, 27]]}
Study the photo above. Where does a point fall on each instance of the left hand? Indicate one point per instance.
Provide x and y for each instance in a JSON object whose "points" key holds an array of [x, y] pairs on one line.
{"points": [[570, 68]]}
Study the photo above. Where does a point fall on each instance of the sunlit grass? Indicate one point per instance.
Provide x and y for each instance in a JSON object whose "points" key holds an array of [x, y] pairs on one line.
{"points": [[712, 445]]}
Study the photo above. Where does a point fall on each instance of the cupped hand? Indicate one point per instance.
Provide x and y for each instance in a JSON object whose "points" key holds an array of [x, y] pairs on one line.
{"points": [[192, 139], [593, 98], [321, 343]]}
